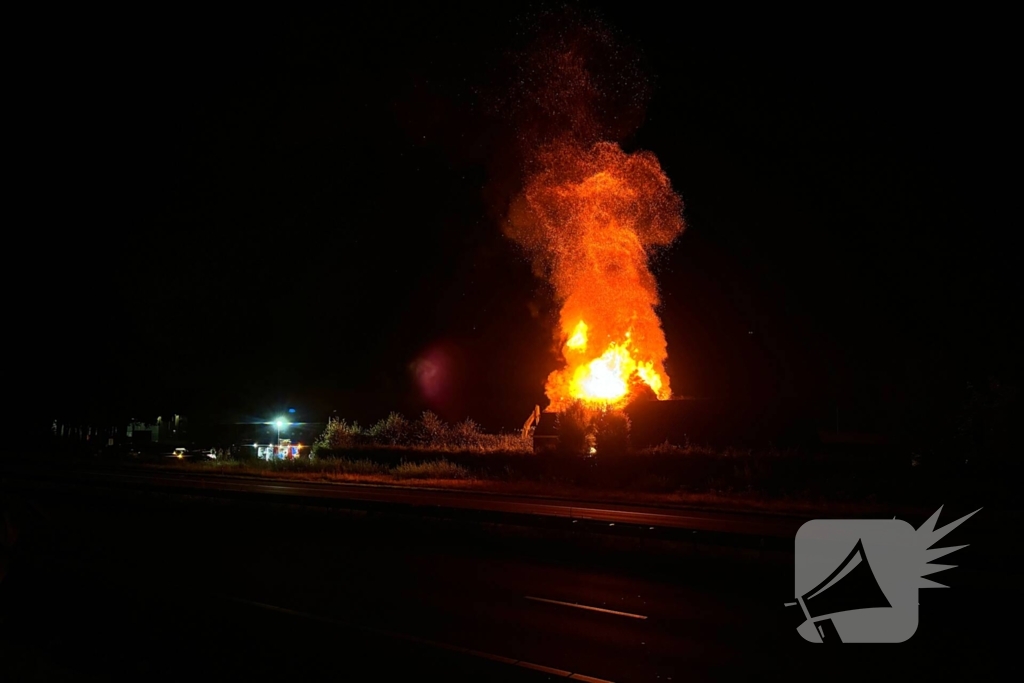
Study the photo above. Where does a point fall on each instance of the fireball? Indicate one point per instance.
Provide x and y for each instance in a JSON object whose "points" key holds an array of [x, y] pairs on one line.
{"points": [[593, 217]]}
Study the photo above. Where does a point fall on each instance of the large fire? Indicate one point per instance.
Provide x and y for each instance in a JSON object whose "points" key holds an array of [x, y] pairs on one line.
{"points": [[593, 215], [607, 377]]}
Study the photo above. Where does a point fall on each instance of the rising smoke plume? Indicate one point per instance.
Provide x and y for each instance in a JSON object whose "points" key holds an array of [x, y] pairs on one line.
{"points": [[590, 215]]}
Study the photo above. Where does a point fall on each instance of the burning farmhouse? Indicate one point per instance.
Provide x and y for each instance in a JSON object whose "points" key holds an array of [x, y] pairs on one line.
{"points": [[592, 218], [590, 215]]}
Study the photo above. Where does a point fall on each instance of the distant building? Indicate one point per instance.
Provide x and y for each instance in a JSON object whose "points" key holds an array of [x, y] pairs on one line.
{"points": [[72, 431], [164, 430], [142, 432]]}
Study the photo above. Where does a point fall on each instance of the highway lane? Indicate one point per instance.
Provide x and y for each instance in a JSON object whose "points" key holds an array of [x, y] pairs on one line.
{"points": [[772, 531], [484, 604], [761, 525], [239, 588]]}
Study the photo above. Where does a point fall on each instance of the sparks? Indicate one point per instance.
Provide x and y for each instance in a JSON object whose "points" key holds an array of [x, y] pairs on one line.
{"points": [[594, 217]]}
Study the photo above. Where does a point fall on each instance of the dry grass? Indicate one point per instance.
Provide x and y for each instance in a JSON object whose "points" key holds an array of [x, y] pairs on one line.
{"points": [[333, 469], [445, 474], [434, 469]]}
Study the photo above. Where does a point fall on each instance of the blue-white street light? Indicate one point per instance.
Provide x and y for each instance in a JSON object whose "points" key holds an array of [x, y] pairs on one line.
{"points": [[280, 423]]}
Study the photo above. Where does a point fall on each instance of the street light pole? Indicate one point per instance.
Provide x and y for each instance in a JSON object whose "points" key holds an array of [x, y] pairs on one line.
{"points": [[280, 423]]}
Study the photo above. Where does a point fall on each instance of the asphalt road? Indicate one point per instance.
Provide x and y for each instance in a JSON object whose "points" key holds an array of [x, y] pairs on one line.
{"points": [[766, 525], [129, 584]]}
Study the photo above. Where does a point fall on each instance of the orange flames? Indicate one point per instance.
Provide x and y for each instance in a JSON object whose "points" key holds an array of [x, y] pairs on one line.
{"points": [[592, 216], [607, 377]]}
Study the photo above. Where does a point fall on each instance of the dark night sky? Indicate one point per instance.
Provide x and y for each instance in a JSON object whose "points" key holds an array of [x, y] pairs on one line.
{"points": [[248, 211]]}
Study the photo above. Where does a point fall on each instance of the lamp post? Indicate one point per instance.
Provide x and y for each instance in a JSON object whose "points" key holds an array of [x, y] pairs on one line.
{"points": [[280, 423]]}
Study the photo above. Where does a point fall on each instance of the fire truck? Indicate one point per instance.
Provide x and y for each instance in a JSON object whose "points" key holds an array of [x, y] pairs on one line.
{"points": [[284, 450]]}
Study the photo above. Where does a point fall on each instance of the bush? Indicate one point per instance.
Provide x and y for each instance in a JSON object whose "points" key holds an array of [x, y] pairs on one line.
{"points": [[466, 435], [574, 426], [429, 432], [338, 435], [611, 432], [394, 430]]}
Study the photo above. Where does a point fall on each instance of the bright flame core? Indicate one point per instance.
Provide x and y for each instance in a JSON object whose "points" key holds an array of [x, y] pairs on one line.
{"points": [[578, 340], [592, 217], [606, 379]]}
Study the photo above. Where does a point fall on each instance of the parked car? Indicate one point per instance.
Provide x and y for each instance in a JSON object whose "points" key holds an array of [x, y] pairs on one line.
{"points": [[194, 454]]}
